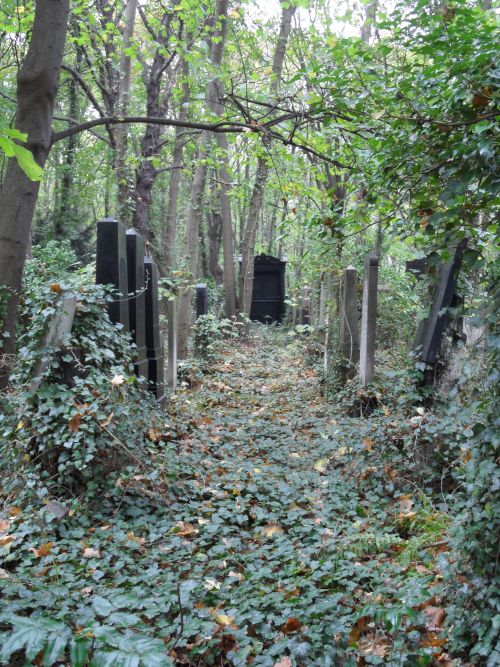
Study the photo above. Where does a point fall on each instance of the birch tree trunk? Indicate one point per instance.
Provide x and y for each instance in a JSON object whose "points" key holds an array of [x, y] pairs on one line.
{"points": [[262, 171], [37, 84]]}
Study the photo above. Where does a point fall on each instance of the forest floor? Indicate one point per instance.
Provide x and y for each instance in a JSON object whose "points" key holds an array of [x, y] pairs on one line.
{"points": [[275, 532]]}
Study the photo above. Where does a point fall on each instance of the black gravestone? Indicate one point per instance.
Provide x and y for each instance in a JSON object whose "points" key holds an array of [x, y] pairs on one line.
{"points": [[201, 300], [430, 330], [268, 295], [152, 320], [111, 267], [137, 299]]}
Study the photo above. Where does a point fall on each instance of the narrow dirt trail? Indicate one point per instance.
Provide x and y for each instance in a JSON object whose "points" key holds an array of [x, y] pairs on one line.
{"points": [[287, 545]]}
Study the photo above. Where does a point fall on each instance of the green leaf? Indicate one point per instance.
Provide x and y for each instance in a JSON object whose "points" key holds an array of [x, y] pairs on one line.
{"points": [[79, 651], [27, 163]]}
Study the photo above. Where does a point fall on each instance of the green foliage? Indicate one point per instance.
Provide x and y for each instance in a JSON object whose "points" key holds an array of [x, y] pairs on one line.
{"points": [[8, 144], [209, 331], [73, 431]]}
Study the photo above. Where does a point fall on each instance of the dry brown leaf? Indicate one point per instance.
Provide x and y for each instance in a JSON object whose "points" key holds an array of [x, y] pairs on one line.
{"points": [[367, 444], [185, 529], [373, 645], [271, 529], [5, 541], [436, 616], [4, 525], [44, 550], [292, 625], [74, 422], [15, 511], [106, 422], [405, 504], [55, 287]]}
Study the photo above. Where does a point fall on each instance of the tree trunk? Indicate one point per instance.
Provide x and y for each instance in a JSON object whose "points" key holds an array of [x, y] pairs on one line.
{"points": [[66, 209], [37, 84], [191, 247], [248, 245], [214, 233], [122, 204], [170, 229], [194, 215]]}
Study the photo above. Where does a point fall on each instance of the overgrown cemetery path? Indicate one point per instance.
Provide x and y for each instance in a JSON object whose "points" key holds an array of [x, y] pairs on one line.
{"points": [[271, 532]]}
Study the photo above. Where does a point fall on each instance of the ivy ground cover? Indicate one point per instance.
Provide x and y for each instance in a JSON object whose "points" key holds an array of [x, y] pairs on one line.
{"points": [[273, 531]]}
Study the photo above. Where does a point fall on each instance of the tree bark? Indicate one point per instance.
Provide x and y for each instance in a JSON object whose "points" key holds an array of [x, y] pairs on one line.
{"points": [[248, 245], [170, 229], [121, 135], [37, 84], [197, 188]]}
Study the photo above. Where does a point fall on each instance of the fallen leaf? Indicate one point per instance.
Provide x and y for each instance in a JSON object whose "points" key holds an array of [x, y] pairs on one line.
{"points": [[5, 541], [223, 619], [15, 511], [271, 529], [436, 616], [367, 444], [405, 504], [86, 591], [117, 380], [74, 422], [55, 287], [4, 525], [284, 662], [106, 422], [185, 529], [292, 625], [89, 552], [372, 645], [44, 550]]}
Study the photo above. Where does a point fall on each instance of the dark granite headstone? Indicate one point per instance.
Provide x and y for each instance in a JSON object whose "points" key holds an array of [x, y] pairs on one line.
{"points": [[152, 323], [430, 331], [137, 298], [268, 293], [111, 267], [201, 300]]}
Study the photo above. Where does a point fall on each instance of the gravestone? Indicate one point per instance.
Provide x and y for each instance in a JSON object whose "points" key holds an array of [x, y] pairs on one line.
{"points": [[152, 326], [172, 345], [430, 330], [201, 300], [349, 337], [268, 292], [60, 327], [111, 267], [368, 320], [137, 299]]}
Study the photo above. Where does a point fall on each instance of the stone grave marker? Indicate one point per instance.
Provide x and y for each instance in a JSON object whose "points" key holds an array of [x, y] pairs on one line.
{"points": [[430, 330], [60, 327], [349, 337], [172, 345], [111, 267], [368, 320], [201, 300], [152, 334], [137, 298]]}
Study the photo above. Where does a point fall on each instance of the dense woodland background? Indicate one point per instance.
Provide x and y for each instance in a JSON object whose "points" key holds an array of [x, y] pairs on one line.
{"points": [[306, 129]]}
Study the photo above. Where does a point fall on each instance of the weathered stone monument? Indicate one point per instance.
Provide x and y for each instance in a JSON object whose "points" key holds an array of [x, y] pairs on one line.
{"points": [[152, 327], [430, 331], [201, 300], [349, 316], [111, 267], [368, 320], [137, 298], [172, 345]]}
